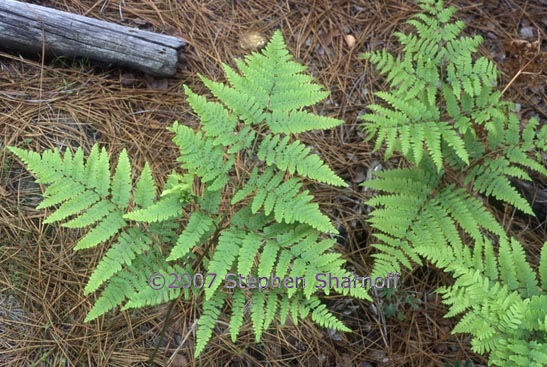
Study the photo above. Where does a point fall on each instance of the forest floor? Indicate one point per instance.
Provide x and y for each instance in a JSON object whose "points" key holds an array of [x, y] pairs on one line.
{"points": [[47, 103]]}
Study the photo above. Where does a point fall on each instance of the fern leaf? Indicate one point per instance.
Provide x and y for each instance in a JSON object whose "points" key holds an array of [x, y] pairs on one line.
{"points": [[130, 243], [145, 189], [295, 310], [93, 214], [211, 311], [238, 312], [454, 141], [97, 170], [121, 182], [105, 230], [73, 206], [167, 207], [298, 271], [248, 188], [296, 122], [199, 226], [142, 296], [296, 157], [244, 105], [267, 258], [323, 317], [112, 296], [224, 256], [284, 306], [543, 267], [249, 247], [289, 205], [283, 262], [61, 191], [271, 308], [489, 180], [257, 314], [202, 157], [490, 261], [526, 277], [46, 167]]}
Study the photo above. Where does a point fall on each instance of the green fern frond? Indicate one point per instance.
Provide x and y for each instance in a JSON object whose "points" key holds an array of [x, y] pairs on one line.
{"points": [[247, 253], [199, 227], [543, 267], [130, 243], [499, 306], [489, 178], [71, 206], [322, 316], [92, 215], [295, 157], [144, 294], [207, 321], [202, 157], [414, 214], [296, 121], [66, 188], [272, 227], [267, 258], [165, 208], [257, 314], [128, 286], [440, 104], [145, 189], [102, 232], [285, 200], [224, 256], [121, 181], [112, 296], [271, 308], [238, 313]]}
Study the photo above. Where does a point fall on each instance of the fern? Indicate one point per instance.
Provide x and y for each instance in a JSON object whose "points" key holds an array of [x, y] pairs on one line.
{"points": [[272, 227], [443, 114], [504, 306]]}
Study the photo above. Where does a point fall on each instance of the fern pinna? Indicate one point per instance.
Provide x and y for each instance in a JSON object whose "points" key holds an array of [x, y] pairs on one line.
{"points": [[240, 189], [443, 114]]}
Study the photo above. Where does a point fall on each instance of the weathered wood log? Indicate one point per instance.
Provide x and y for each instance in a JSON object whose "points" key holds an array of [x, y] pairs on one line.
{"points": [[31, 28]]}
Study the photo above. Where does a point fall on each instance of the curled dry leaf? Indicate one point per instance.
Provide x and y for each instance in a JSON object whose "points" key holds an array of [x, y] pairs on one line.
{"points": [[252, 41], [350, 40]]}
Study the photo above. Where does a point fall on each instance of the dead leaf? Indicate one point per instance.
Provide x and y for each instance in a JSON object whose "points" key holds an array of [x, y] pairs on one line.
{"points": [[350, 40], [252, 41]]}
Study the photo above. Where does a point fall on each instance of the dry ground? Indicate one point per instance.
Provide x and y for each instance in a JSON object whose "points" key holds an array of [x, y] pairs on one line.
{"points": [[46, 103]]}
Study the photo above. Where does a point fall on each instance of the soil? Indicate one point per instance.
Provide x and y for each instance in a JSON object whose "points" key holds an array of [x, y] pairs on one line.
{"points": [[57, 102]]}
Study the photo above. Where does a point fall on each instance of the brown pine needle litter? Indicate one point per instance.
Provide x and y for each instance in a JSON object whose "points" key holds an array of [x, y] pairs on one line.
{"points": [[57, 102]]}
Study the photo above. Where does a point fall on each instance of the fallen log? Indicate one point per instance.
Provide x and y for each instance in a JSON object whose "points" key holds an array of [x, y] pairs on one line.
{"points": [[32, 28]]}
